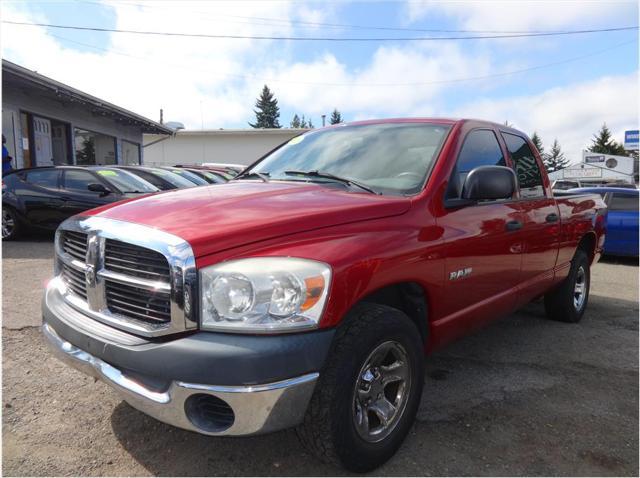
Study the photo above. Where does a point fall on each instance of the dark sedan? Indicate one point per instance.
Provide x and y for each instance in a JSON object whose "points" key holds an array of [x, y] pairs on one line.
{"points": [[44, 197]]}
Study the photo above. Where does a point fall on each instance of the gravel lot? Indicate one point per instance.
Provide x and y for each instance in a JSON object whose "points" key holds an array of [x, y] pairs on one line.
{"points": [[525, 396]]}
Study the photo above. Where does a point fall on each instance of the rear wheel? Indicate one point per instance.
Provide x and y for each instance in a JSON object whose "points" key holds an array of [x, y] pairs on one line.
{"points": [[10, 224], [568, 302], [368, 393]]}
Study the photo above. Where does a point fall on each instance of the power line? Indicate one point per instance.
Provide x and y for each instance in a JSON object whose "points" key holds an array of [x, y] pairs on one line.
{"points": [[343, 26], [329, 39], [413, 84]]}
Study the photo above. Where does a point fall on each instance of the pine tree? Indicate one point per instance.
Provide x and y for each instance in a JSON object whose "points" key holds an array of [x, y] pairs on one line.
{"points": [[295, 122], [267, 111], [537, 142], [555, 160], [604, 144], [303, 122], [310, 124], [336, 117]]}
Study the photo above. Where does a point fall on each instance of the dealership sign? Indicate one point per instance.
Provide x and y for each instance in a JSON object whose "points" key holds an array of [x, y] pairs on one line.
{"points": [[631, 140], [583, 173]]}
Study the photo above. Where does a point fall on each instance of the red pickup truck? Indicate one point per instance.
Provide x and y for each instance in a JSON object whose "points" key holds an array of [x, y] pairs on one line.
{"points": [[306, 292]]}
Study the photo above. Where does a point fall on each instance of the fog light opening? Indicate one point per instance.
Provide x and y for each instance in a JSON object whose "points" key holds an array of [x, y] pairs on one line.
{"points": [[208, 413]]}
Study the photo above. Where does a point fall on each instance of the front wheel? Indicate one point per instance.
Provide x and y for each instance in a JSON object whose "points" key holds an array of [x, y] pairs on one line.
{"points": [[368, 393], [568, 302], [10, 224]]}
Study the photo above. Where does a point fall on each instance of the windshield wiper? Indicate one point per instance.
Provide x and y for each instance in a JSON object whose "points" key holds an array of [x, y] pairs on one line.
{"points": [[263, 176], [333, 177]]}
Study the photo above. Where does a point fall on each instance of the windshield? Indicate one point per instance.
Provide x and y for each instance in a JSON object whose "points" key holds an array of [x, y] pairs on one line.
{"points": [[390, 158], [126, 182], [175, 179], [188, 175]]}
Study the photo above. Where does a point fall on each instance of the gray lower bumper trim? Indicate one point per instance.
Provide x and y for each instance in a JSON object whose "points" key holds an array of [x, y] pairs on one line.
{"points": [[257, 408]]}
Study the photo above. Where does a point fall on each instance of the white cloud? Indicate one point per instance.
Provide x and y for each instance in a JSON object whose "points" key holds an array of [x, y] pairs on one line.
{"points": [[525, 14], [395, 81], [572, 114]]}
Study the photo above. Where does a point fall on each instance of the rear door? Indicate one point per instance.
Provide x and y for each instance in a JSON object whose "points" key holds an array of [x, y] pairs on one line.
{"points": [[622, 224], [541, 231], [76, 194], [483, 242], [41, 196]]}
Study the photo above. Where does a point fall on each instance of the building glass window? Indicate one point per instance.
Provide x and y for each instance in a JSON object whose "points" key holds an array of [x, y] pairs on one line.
{"points": [[94, 148], [130, 153]]}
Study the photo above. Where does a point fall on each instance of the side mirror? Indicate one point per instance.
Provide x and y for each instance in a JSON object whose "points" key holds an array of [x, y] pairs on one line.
{"points": [[489, 183], [98, 188]]}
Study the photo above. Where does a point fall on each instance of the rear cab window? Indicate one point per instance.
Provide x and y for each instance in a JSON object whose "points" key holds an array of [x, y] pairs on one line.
{"points": [[526, 166], [480, 148], [623, 202]]}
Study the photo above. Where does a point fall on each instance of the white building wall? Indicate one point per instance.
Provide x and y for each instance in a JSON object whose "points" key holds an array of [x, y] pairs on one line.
{"points": [[16, 100], [215, 146]]}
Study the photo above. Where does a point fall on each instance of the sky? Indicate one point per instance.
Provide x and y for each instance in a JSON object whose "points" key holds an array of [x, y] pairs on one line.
{"points": [[563, 87]]}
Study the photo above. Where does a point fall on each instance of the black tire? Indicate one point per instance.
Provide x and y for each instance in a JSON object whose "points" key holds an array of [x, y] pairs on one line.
{"points": [[562, 304], [11, 226], [329, 427]]}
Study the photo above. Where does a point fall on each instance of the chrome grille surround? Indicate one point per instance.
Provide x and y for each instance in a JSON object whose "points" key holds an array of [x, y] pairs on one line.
{"points": [[181, 287]]}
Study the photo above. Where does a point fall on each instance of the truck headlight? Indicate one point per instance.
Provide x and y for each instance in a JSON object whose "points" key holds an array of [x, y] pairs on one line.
{"points": [[263, 294]]}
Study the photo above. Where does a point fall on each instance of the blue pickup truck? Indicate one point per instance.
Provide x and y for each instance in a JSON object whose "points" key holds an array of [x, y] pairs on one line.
{"points": [[622, 223]]}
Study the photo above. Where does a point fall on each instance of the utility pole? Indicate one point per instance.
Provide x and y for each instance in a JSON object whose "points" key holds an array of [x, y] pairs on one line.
{"points": [[323, 118], [161, 116]]}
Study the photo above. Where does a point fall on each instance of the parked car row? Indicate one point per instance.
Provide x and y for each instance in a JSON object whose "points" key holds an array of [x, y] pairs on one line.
{"points": [[44, 197]]}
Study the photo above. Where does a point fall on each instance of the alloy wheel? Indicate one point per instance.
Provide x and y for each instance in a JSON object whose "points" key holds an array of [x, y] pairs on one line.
{"points": [[381, 391], [8, 224]]}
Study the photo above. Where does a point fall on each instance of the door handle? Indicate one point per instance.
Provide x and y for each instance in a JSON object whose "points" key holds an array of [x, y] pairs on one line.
{"points": [[553, 217], [513, 226]]}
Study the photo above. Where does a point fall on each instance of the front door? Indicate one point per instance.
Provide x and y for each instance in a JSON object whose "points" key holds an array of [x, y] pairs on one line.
{"points": [[42, 139], [76, 194], [483, 245]]}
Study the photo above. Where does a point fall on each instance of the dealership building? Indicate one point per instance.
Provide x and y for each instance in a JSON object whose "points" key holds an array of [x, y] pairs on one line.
{"points": [[237, 146], [600, 168], [46, 122]]}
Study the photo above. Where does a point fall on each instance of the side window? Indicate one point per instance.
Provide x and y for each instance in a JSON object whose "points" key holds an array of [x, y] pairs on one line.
{"points": [[526, 166], [480, 148], [77, 180], [623, 202], [46, 178]]}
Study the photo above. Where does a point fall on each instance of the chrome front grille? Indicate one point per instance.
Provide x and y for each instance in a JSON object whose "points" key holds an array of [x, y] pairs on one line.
{"points": [[135, 261], [74, 280], [75, 244], [130, 276], [143, 304]]}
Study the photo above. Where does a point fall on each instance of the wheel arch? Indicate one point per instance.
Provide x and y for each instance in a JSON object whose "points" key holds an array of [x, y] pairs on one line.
{"points": [[409, 297], [588, 244]]}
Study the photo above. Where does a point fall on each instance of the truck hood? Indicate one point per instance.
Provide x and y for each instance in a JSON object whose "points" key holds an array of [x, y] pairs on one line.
{"points": [[218, 217]]}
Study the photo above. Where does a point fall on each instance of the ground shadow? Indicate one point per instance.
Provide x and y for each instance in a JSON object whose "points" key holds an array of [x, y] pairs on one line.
{"points": [[29, 246], [620, 260], [515, 360]]}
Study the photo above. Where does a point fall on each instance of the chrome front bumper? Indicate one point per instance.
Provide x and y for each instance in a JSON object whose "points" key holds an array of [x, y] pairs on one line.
{"points": [[256, 408]]}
